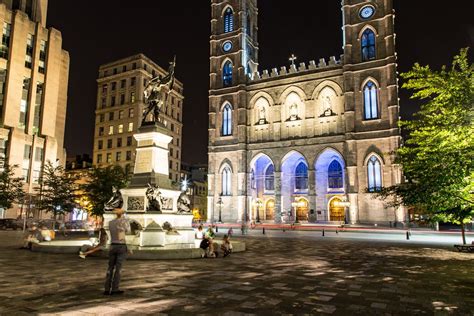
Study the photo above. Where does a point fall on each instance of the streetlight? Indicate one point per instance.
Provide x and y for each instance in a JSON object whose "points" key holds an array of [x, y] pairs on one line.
{"points": [[259, 204], [220, 203]]}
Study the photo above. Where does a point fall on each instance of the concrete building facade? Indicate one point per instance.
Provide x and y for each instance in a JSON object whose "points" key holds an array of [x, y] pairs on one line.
{"points": [[119, 112], [309, 142], [34, 72]]}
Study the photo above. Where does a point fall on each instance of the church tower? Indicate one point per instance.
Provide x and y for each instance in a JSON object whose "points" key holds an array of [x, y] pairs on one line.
{"points": [[234, 59]]}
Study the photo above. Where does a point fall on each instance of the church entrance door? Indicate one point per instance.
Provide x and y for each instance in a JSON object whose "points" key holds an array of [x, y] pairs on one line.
{"points": [[270, 210], [336, 212], [302, 209]]}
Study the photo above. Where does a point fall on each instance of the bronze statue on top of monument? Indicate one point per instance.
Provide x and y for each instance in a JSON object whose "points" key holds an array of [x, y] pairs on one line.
{"points": [[156, 95]]}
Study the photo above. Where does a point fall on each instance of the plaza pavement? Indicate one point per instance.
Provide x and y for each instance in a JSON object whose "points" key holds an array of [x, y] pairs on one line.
{"points": [[299, 274]]}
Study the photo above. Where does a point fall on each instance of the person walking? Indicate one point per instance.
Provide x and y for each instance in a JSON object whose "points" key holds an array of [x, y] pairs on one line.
{"points": [[118, 227]]}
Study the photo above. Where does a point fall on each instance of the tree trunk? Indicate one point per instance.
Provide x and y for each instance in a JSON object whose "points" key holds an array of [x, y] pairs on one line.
{"points": [[463, 230]]}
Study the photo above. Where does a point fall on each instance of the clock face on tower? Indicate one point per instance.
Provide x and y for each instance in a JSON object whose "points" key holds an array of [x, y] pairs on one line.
{"points": [[227, 46], [367, 12]]}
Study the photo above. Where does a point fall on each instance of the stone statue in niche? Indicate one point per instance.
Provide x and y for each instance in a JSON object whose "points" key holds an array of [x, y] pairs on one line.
{"points": [[294, 112], [262, 115], [327, 106]]}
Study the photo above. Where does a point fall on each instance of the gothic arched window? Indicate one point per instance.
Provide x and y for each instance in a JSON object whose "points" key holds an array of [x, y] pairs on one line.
{"points": [[228, 20], [374, 174], [368, 45], [227, 74], [226, 181], [301, 177], [227, 120], [335, 180], [370, 101], [270, 178]]}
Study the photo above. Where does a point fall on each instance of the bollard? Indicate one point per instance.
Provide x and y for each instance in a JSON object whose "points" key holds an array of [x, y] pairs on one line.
{"points": [[263, 230], [408, 235], [323, 232]]}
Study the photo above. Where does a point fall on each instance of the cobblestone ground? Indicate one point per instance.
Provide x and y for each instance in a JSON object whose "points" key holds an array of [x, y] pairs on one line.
{"points": [[275, 276]]}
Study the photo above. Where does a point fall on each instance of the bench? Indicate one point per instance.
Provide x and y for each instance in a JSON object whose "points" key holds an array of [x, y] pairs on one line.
{"points": [[464, 248]]}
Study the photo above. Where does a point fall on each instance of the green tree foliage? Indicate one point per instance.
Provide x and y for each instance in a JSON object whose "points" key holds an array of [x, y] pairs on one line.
{"points": [[99, 188], [56, 190], [438, 155], [11, 187]]}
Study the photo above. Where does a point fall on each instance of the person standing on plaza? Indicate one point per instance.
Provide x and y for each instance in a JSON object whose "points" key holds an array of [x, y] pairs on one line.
{"points": [[118, 227]]}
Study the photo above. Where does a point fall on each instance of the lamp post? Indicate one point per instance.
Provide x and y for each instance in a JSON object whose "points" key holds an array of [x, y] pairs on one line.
{"points": [[259, 204], [220, 203]]}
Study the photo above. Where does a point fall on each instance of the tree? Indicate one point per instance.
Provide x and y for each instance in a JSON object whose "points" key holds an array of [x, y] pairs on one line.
{"points": [[437, 157], [99, 188], [57, 191], [11, 187]]}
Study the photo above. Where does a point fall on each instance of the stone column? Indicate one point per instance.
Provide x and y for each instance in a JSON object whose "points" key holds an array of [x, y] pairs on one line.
{"points": [[353, 208], [312, 195], [277, 197]]}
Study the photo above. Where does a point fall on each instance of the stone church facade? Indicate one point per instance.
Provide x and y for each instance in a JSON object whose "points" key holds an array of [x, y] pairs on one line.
{"points": [[309, 142]]}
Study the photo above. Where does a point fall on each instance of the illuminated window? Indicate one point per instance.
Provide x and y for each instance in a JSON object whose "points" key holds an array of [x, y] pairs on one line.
{"points": [[301, 177], [5, 47], [109, 158], [228, 20], [368, 45], [370, 101], [118, 156], [227, 121], [120, 129], [29, 51], [374, 174], [226, 181], [111, 130], [335, 180], [42, 57], [130, 127], [131, 113], [132, 97], [227, 74], [270, 178], [24, 103], [38, 106]]}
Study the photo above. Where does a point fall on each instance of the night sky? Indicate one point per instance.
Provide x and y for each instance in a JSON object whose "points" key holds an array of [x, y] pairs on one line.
{"points": [[96, 32]]}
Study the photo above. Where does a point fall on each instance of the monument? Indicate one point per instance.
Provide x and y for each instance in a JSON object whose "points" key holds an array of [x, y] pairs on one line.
{"points": [[158, 211]]}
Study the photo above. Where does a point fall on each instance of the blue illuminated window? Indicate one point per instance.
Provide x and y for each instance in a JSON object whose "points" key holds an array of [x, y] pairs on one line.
{"points": [[227, 74], [335, 180], [228, 20], [227, 121], [374, 174], [368, 45], [301, 177], [270, 178], [370, 101]]}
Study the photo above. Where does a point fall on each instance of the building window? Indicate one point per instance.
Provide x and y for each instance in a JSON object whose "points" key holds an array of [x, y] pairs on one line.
{"points": [[227, 121], [124, 68], [301, 177], [370, 101], [134, 66], [29, 51], [132, 97], [129, 155], [104, 89], [103, 103], [228, 20], [109, 143], [227, 74], [335, 174], [120, 129], [172, 127], [118, 156], [130, 127], [99, 158], [114, 86], [171, 152], [121, 115], [123, 84], [101, 118], [111, 130], [111, 116], [4, 49], [374, 174], [131, 113], [42, 57], [122, 99], [270, 178], [133, 81], [109, 158], [119, 142], [129, 141], [368, 45], [3, 76], [39, 154], [115, 71], [226, 181], [24, 103], [100, 145], [101, 131], [38, 106], [112, 101]]}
